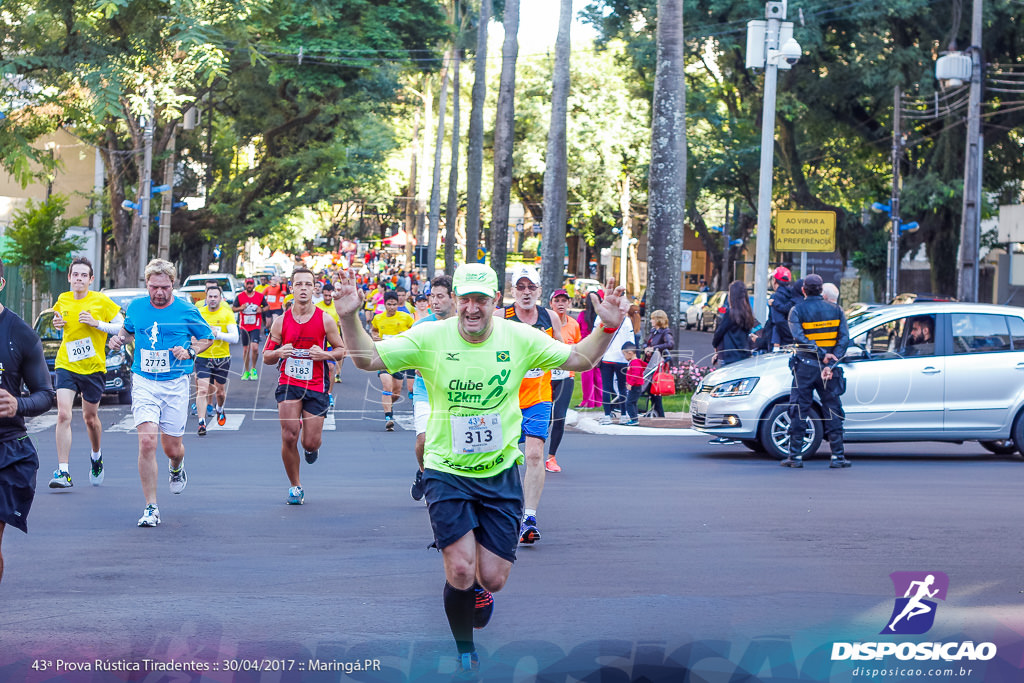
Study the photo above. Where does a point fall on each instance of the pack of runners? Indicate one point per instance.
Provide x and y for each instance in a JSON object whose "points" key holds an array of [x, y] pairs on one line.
{"points": [[482, 383]]}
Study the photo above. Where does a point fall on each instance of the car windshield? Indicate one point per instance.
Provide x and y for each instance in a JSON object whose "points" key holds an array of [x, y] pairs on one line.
{"points": [[122, 300], [198, 280], [687, 298], [860, 318], [45, 328]]}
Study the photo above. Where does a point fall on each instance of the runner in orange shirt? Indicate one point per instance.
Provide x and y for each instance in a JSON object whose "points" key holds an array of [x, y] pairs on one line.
{"points": [[561, 380], [534, 394]]}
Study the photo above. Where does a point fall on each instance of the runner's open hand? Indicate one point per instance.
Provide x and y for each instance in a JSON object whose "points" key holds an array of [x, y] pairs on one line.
{"points": [[613, 309], [347, 296]]}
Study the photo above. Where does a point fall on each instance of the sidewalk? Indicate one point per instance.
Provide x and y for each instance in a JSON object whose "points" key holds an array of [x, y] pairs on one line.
{"points": [[673, 424]]}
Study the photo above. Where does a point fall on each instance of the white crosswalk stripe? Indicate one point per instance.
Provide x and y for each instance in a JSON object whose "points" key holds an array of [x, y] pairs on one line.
{"points": [[126, 424], [41, 422]]}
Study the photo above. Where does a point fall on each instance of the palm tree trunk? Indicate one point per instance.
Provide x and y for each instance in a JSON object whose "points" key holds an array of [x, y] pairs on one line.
{"points": [[504, 134], [667, 179], [435, 190], [475, 152], [451, 213], [556, 170], [410, 198]]}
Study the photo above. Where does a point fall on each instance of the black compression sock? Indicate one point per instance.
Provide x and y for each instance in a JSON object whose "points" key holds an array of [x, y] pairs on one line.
{"points": [[459, 606]]}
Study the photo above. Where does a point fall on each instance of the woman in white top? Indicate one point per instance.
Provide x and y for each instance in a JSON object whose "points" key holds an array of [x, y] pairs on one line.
{"points": [[613, 371]]}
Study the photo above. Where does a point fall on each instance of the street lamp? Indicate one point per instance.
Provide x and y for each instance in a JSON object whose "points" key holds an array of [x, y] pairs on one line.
{"points": [[770, 45]]}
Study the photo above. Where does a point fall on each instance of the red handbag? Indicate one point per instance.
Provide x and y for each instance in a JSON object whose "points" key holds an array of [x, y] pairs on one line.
{"points": [[663, 384]]}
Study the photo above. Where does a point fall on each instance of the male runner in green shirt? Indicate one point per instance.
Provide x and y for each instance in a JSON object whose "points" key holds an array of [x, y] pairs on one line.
{"points": [[472, 365]]}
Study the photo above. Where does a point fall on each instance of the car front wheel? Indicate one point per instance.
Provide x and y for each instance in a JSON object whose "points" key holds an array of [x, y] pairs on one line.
{"points": [[1018, 432], [775, 432], [1001, 447]]}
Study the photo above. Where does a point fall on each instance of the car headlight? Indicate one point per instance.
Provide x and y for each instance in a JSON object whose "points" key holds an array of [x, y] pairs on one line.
{"points": [[737, 387], [114, 360]]}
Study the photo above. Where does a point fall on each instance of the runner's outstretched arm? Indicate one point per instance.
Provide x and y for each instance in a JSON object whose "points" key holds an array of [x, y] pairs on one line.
{"points": [[587, 354], [347, 301]]}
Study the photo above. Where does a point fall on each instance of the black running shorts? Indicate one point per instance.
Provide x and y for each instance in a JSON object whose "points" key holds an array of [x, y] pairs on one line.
{"points": [[313, 402], [18, 466], [89, 386], [490, 507], [247, 337], [216, 369]]}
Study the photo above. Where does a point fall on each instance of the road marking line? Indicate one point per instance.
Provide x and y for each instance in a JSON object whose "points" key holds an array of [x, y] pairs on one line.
{"points": [[40, 423]]}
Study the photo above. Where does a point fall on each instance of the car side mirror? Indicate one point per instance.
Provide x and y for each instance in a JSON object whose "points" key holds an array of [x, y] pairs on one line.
{"points": [[855, 353]]}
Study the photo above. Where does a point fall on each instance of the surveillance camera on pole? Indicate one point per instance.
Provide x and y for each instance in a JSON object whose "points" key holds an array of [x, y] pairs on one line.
{"points": [[789, 52]]}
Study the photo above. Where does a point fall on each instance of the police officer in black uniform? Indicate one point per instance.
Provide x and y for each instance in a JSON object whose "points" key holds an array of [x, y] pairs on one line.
{"points": [[821, 335]]}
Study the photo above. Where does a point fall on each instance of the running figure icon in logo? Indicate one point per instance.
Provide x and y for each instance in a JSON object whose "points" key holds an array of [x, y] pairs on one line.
{"points": [[915, 587]]}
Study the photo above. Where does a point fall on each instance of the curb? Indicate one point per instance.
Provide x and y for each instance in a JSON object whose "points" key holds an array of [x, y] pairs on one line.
{"points": [[675, 424]]}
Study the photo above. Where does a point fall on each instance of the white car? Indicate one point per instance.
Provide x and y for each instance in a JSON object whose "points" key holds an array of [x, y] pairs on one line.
{"points": [[695, 310], [686, 299], [966, 384], [195, 286], [583, 287]]}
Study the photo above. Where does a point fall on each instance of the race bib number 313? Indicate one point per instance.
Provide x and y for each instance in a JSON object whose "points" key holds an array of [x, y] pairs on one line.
{"points": [[476, 433]]}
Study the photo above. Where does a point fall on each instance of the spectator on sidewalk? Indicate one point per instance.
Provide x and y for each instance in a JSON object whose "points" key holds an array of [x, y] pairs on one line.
{"points": [[590, 381], [634, 382], [732, 333], [660, 338]]}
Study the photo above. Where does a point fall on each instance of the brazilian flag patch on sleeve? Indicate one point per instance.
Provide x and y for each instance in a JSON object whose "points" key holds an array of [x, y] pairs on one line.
{"points": [[504, 357]]}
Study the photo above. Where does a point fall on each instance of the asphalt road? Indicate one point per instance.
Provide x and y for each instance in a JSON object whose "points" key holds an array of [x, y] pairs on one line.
{"points": [[662, 558]]}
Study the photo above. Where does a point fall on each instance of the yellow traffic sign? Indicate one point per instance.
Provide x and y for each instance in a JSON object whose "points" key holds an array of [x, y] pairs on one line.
{"points": [[805, 231]]}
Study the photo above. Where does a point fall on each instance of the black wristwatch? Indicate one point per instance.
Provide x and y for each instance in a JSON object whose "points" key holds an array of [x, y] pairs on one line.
{"points": [[191, 353]]}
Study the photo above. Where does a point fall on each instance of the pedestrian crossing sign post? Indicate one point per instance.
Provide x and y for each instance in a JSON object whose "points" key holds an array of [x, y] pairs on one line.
{"points": [[805, 231]]}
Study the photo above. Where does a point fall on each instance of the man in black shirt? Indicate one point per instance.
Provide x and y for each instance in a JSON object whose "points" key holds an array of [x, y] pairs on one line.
{"points": [[21, 361]]}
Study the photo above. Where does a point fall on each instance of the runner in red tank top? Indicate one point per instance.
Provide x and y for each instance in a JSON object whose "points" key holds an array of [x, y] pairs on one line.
{"points": [[297, 345]]}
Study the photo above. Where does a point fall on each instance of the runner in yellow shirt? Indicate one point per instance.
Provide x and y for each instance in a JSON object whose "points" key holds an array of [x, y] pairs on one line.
{"points": [[212, 365], [326, 304], [390, 323], [86, 318]]}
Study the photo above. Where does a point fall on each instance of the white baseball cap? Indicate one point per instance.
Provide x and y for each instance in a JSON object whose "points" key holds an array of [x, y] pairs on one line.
{"points": [[528, 272]]}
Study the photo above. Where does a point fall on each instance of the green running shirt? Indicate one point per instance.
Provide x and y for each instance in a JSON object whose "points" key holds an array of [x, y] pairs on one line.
{"points": [[473, 389]]}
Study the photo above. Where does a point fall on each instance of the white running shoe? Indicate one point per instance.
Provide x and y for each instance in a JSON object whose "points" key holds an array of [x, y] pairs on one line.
{"points": [[178, 478], [151, 516], [96, 471]]}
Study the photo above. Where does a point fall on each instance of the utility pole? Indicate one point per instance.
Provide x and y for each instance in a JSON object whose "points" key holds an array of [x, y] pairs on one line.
{"points": [[764, 189], [892, 286], [145, 192], [970, 226], [163, 248], [770, 45], [624, 238], [724, 279]]}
